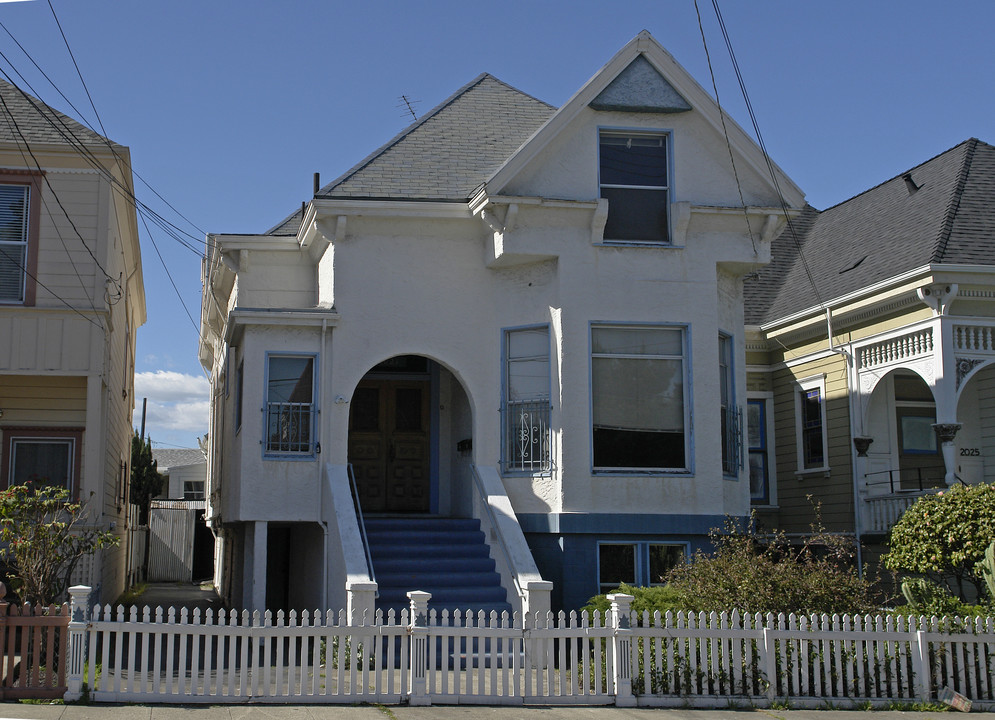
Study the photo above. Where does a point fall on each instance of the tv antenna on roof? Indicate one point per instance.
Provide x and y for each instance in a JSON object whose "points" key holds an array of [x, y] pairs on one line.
{"points": [[408, 105]]}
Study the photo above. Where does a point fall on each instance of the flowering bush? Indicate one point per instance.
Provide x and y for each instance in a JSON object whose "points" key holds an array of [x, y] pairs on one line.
{"points": [[44, 535], [944, 537]]}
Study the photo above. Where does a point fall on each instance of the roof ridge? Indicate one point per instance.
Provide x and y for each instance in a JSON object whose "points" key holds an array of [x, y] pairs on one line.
{"points": [[953, 206], [405, 132], [898, 175]]}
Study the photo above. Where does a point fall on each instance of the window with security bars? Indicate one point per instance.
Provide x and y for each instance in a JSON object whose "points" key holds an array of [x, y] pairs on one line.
{"points": [[526, 402], [14, 223], [290, 405]]}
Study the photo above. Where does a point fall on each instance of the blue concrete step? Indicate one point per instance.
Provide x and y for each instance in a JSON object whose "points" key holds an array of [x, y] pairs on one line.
{"points": [[447, 557]]}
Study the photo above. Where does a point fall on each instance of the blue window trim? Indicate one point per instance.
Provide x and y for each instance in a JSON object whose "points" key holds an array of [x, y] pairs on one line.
{"points": [[737, 444], [668, 134], [689, 470], [315, 394], [503, 400], [642, 556]]}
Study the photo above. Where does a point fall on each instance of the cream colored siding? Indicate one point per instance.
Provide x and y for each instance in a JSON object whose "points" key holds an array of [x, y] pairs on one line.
{"points": [[834, 492], [43, 400]]}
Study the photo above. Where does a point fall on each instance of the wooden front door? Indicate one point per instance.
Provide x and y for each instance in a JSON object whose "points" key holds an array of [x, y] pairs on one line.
{"points": [[389, 445]]}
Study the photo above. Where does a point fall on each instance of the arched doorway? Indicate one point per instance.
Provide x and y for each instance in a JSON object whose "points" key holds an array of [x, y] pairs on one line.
{"points": [[409, 430]]}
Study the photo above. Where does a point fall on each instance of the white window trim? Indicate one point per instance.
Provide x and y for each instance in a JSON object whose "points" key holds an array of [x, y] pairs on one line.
{"points": [[641, 559], [811, 383], [546, 467], [768, 400]]}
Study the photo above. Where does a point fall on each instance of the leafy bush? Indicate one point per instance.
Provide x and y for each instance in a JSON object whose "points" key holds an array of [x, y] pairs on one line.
{"points": [[765, 572], [660, 597], [45, 535], [944, 537]]}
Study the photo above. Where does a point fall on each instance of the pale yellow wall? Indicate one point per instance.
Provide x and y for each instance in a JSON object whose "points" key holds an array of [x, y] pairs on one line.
{"points": [[42, 401]]}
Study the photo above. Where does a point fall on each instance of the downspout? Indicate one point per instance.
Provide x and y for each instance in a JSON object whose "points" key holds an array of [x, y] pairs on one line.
{"points": [[321, 484], [860, 420]]}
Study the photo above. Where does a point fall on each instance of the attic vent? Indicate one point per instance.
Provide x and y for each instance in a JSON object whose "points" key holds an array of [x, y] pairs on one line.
{"points": [[910, 184], [853, 266], [640, 88]]}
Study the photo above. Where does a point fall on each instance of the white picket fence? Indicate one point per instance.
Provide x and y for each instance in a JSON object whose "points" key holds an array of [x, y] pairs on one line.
{"points": [[423, 657]]}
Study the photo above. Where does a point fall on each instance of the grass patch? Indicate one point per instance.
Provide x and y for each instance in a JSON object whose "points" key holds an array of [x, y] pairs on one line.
{"points": [[132, 594]]}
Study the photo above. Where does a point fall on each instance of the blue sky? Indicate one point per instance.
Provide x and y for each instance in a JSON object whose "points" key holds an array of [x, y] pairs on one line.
{"points": [[230, 107]]}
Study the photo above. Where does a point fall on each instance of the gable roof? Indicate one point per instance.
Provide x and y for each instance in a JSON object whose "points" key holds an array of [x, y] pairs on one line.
{"points": [[445, 155], [167, 458], [645, 68], [24, 118], [938, 212]]}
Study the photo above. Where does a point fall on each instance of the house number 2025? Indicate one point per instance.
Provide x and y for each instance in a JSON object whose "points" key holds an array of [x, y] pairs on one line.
{"points": [[970, 452]]}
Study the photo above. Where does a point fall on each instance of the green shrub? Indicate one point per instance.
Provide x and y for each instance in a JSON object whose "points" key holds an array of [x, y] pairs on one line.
{"points": [[766, 572], [652, 599], [944, 537]]}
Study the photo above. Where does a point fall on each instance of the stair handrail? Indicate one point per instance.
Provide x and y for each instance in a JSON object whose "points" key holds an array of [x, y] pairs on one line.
{"points": [[479, 485], [362, 524]]}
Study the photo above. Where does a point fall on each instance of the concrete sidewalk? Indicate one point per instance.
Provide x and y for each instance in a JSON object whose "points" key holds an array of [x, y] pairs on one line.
{"points": [[436, 712]]}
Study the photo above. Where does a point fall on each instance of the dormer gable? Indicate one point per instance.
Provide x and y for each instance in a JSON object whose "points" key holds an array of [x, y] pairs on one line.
{"points": [[640, 88]]}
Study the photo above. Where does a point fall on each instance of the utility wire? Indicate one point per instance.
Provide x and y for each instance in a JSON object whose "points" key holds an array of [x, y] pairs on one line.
{"points": [[763, 149], [725, 130], [83, 119]]}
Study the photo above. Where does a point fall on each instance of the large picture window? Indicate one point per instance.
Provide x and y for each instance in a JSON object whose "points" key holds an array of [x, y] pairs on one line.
{"points": [[526, 400], [42, 456], [639, 386], [634, 178], [290, 405]]}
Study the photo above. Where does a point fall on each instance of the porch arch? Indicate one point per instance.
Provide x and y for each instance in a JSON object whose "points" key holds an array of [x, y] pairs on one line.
{"points": [[410, 431]]}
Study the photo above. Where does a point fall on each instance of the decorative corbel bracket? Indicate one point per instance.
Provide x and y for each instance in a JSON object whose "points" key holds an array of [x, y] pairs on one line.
{"points": [[938, 296]]}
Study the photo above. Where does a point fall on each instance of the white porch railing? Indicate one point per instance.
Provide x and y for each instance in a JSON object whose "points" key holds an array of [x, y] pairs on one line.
{"points": [[713, 660], [896, 349], [974, 338], [882, 512]]}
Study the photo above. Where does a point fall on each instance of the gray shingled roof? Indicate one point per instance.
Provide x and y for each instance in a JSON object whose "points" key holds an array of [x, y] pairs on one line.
{"points": [[24, 115], [883, 232], [177, 457], [447, 154]]}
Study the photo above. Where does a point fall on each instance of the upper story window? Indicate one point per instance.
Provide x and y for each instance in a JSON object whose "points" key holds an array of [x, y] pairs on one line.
{"points": [[526, 400], [760, 452], [290, 405], [810, 411], [639, 386], [14, 221], [634, 178]]}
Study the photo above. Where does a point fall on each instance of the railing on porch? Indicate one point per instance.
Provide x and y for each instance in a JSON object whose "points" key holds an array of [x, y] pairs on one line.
{"points": [[362, 524], [481, 492], [903, 347], [904, 487], [974, 338], [419, 656], [33, 643]]}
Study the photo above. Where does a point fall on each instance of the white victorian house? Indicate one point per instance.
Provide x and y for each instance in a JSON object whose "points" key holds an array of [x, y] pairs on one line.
{"points": [[515, 330]]}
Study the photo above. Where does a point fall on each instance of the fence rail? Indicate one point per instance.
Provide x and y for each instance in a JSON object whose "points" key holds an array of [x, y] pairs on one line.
{"points": [[32, 650], [423, 656]]}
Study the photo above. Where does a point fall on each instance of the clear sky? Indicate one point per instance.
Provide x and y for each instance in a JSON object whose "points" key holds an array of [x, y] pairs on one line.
{"points": [[230, 107]]}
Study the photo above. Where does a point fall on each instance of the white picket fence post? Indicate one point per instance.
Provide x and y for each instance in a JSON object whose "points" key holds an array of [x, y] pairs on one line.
{"points": [[622, 649], [78, 616], [418, 630]]}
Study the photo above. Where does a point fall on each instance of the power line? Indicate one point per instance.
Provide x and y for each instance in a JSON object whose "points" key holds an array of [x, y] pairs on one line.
{"points": [[763, 149]]}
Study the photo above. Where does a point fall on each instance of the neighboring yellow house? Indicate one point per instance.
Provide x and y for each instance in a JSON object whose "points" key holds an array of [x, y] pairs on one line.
{"points": [[871, 351], [71, 300]]}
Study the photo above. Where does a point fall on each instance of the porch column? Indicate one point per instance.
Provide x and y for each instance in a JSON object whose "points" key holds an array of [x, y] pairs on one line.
{"points": [[945, 434], [254, 567]]}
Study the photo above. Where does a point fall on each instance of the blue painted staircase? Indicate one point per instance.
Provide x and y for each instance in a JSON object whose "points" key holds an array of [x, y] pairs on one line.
{"points": [[447, 557]]}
